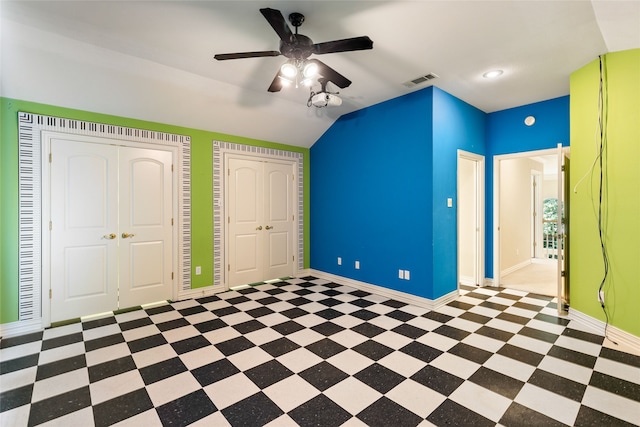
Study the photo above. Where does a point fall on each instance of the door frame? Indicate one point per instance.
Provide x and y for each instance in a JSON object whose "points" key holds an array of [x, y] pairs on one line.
{"points": [[496, 199], [46, 137], [221, 151], [30, 128], [228, 157], [479, 214]]}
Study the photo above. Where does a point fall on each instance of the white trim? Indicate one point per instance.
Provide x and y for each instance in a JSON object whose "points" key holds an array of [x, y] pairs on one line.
{"points": [[220, 151], [488, 281], [467, 281], [516, 267], [496, 201], [30, 158], [598, 326], [20, 328], [386, 292], [202, 292]]}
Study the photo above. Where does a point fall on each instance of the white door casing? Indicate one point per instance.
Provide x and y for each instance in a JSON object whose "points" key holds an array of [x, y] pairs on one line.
{"points": [[260, 220], [99, 192]]}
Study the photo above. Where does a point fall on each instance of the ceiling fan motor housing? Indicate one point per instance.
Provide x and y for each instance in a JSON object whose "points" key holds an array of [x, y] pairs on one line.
{"points": [[296, 19], [300, 47]]}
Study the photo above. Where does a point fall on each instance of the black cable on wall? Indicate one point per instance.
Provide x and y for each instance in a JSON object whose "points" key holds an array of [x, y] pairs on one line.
{"points": [[602, 127]]}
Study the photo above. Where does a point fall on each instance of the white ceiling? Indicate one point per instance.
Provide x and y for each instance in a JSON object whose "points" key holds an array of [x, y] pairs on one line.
{"points": [[537, 44]]}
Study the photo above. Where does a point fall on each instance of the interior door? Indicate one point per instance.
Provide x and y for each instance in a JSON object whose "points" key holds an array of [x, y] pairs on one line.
{"points": [[467, 223], [145, 232], [278, 190], [246, 221], [470, 218], [84, 227], [111, 227], [260, 220], [563, 231]]}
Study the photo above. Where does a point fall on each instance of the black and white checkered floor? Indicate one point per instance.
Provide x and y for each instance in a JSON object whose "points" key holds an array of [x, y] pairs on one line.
{"points": [[311, 352]]}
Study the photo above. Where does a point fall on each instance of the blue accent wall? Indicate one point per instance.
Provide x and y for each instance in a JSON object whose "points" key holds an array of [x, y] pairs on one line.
{"points": [[371, 192], [381, 177], [376, 176], [507, 134], [456, 125]]}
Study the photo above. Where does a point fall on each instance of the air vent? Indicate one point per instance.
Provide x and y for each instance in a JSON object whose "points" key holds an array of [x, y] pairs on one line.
{"points": [[420, 80]]}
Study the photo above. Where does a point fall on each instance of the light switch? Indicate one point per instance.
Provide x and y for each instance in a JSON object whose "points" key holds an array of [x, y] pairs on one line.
{"points": [[449, 202], [198, 270]]}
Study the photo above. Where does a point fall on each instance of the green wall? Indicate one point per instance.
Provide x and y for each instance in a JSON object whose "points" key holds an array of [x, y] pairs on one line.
{"points": [[621, 200], [201, 190]]}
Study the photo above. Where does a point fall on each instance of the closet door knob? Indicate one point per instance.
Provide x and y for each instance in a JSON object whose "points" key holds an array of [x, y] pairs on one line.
{"points": [[110, 236], [268, 227], [127, 235], [259, 227]]}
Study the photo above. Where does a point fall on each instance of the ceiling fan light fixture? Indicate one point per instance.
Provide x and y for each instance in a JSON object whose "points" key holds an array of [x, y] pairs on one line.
{"points": [[289, 70], [310, 70]]}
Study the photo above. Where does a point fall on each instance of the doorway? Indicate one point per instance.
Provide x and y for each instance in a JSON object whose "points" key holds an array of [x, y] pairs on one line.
{"points": [[111, 240], [470, 197], [529, 241]]}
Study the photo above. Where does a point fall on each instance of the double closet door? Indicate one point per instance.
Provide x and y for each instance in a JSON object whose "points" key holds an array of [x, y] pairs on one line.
{"points": [[260, 220], [111, 227]]}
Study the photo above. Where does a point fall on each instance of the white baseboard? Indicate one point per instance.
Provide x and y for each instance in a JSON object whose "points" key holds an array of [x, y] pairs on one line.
{"points": [[488, 281], [386, 292], [467, 281], [614, 334], [200, 292], [516, 267], [20, 328]]}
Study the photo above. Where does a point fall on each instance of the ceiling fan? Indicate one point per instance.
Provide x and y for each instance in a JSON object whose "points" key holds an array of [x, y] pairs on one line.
{"points": [[297, 48]]}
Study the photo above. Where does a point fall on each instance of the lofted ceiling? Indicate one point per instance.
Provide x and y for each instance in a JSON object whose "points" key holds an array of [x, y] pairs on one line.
{"points": [[537, 44]]}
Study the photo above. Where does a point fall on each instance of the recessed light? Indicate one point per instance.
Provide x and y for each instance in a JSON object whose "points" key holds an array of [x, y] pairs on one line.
{"points": [[492, 74], [529, 120]]}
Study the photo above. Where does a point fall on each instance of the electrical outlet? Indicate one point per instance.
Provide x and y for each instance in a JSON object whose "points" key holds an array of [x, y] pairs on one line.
{"points": [[198, 270], [339, 260], [601, 297], [357, 265]]}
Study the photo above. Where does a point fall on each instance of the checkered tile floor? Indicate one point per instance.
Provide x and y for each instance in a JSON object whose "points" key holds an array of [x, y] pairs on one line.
{"points": [[310, 352]]}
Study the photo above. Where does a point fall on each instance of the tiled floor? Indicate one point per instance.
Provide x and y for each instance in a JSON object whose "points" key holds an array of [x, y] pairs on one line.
{"points": [[310, 352]]}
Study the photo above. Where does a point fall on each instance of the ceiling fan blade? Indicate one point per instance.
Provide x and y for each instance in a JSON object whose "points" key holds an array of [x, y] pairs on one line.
{"points": [[276, 84], [225, 56], [331, 75], [277, 21], [344, 45]]}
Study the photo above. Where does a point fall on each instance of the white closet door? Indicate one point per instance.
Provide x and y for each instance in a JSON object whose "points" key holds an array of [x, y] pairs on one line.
{"points": [[111, 234], [84, 227], [145, 234], [245, 221], [278, 197], [260, 221]]}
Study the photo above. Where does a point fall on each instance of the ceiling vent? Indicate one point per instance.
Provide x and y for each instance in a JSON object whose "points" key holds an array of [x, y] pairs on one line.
{"points": [[420, 80]]}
